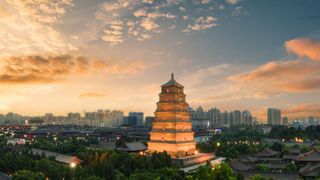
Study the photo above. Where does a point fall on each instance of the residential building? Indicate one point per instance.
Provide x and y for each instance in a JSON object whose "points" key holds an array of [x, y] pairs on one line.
{"points": [[139, 116], [149, 120], [274, 116]]}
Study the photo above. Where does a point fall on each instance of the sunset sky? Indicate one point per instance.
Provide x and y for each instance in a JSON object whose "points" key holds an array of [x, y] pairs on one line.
{"points": [[63, 56]]}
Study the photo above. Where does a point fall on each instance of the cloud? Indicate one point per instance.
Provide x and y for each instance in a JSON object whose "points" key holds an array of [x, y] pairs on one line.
{"points": [[202, 23], [304, 47], [27, 27], [302, 110], [140, 13], [87, 95], [282, 76], [269, 80], [114, 34], [149, 24], [205, 1], [52, 68], [153, 17], [232, 2], [41, 11], [293, 76]]}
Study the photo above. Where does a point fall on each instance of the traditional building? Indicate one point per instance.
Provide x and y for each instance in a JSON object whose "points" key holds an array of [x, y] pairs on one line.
{"points": [[171, 129]]}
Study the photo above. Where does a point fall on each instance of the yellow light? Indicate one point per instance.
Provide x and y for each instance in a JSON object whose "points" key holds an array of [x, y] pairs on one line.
{"points": [[73, 165], [141, 153], [218, 144], [196, 152]]}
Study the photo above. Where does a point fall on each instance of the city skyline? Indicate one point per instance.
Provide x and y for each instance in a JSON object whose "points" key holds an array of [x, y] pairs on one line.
{"points": [[74, 56]]}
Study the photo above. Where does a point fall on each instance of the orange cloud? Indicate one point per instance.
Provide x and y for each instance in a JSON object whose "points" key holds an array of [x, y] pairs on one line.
{"points": [[303, 47], [51, 68], [302, 110], [283, 76], [92, 95], [287, 76]]}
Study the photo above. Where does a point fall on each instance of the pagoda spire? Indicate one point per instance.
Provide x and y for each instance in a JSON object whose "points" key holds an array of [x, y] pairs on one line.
{"points": [[172, 76]]}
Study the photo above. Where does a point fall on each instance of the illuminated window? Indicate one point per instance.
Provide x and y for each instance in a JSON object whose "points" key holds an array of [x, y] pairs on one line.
{"points": [[167, 90]]}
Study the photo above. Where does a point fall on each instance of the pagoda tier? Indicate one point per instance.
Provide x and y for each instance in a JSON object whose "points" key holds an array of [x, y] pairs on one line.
{"points": [[172, 129]]}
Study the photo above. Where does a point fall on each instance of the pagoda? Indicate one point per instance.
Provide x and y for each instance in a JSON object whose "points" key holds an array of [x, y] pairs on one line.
{"points": [[172, 129]]}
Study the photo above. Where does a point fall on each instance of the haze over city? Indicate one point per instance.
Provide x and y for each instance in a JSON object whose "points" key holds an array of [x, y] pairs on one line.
{"points": [[74, 56]]}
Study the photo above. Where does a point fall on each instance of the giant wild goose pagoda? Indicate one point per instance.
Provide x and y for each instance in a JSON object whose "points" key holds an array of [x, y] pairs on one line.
{"points": [[172, 128]]}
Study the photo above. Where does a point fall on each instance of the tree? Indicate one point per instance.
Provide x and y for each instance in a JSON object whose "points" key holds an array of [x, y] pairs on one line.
{"points": [[277, 146], [144, 175], [222, 172], [28, 175], [160, 160], [50, 168], [290, 168], [93, 178], [258, 177], [262, 168]]}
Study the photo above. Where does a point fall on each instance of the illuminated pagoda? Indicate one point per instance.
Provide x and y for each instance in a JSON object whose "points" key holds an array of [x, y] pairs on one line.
{"points": [[172, 129]]}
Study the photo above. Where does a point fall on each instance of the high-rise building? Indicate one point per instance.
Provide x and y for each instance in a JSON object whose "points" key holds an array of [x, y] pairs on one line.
{"points": [[285, 121], [274, 116], [312, 121], [139, 116], [74, 116], [246, 117], [171, 129], [213, 117], [14, 118], [149, 120], [236, 118], [199, 118], [105, 118]]}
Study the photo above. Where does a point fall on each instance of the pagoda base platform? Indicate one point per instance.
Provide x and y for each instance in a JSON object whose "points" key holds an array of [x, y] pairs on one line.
{"points": [[200, 158]]}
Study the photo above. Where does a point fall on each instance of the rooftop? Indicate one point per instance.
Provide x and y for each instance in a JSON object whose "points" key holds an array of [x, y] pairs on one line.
{"points": [[58, 157], [4, 176], [310, 170], [237, 165], [132, 147], [311, 156], [267, 153], [172, 82]]}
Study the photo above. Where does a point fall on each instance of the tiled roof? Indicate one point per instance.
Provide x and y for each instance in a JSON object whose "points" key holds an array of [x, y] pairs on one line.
{"points": [[290, 156], [172, 82], [239, 166], [277, 176], [311, 156], [276, 165], [267, 152], [310, 170], [58, 157], [248, 159], [133, 146], [294, 150], [4, 176]]}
